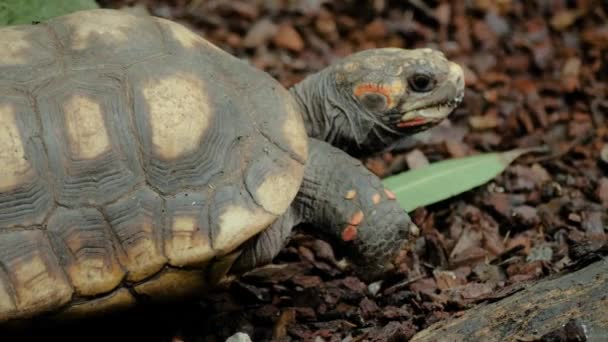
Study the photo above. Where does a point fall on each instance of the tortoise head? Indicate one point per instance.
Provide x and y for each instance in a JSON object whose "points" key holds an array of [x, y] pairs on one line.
{"points": [[374, 97]]}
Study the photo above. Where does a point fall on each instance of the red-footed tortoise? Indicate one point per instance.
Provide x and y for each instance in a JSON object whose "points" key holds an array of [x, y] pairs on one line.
{"points": [[139, 160]]}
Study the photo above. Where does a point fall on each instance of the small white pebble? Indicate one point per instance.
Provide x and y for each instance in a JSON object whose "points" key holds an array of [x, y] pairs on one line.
{"points": [[239, 337], [342, 264], [374, 287], [414, 230]]}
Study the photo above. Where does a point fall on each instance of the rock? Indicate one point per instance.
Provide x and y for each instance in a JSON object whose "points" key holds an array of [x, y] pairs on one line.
{"points": [[374, 287], [447, 279], [416, 159], [570, 74], [473, 291], [376, 29], [564, 18], [542, 252], [489, 273], [487, 121], [288, 38], [526, 215], [239, 337]]}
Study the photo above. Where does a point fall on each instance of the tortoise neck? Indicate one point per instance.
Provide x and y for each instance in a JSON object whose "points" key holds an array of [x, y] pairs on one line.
{"points": [[312, 107], [331, 116], [324, 109]]}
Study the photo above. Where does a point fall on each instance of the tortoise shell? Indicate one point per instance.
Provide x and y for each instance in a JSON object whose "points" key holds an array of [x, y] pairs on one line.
{"points": [[134, 154]]}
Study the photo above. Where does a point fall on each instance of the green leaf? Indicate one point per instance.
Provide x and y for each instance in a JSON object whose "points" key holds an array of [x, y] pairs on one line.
{"points": [[18, 12], [442, 180]]}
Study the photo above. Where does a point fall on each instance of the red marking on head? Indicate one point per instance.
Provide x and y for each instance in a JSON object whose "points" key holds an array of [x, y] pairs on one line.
{"points": [[349, 233], [356, 218], [390, 194], [413, 122], [383, 90]]}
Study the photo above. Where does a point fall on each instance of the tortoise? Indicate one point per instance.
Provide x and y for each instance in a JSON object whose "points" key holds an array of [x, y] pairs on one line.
{"points": [[140, 161]]}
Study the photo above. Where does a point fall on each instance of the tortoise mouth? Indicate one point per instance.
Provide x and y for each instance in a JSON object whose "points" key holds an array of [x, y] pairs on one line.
{"points": [[430, 114]]}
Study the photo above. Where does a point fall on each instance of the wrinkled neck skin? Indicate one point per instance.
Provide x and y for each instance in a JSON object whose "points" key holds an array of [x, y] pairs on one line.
{"points": [[332, 117]]}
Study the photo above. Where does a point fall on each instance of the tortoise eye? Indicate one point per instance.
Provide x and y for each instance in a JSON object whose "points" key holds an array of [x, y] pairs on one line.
{"points": [[421, 83], [374, 101]]}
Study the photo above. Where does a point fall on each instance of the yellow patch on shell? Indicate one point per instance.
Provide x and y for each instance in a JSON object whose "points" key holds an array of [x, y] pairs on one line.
{"points": [[173, 283], [120, 299], [34, 282], [15, 46], [86, 128], [278, 190], [184, 36], [237, 225], [92, 275], [87, 27], [142, 258], [15, 167], [179, 114], [187, 245], [295, 132]]}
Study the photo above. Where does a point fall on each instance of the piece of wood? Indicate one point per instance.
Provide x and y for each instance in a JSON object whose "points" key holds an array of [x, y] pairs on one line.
{"points": [[544, 308]]}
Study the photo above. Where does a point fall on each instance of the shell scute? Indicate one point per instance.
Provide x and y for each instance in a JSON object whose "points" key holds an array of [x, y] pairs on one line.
{"points": [[85, 124], [87, 249], [31, 277], [137, 223], [26, 197]]}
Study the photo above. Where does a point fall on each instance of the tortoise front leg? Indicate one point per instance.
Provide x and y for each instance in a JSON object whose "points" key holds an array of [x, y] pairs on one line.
{"points": [[262, 248], [348, 204]]}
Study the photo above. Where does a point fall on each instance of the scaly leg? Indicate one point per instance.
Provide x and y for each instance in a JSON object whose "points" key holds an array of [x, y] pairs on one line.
{"points": [[348, 204]]}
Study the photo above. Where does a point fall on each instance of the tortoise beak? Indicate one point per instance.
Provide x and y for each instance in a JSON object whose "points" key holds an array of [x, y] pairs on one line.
{"points": [[440, 103]]}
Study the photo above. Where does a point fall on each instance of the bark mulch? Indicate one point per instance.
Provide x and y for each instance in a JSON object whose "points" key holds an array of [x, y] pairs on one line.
{"points": [[536, 74]]}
